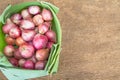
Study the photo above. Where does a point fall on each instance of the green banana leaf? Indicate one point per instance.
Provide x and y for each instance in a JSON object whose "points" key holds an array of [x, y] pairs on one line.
{"points": [[15, 73]]}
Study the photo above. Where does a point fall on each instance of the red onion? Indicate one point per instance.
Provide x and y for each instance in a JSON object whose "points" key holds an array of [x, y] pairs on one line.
{"points": [[47, 15], [19, 41], [36, 30], [26, 50], [43, 28], [14, 32], [29, 64], [9, 50], [33, 59], [42, 54], [17, 54], [21, 62], [40, 65], [28, 35], [16, 18], [37, 19], [25, 14], [51, 35], [27, 24], [49, 45], [34, 10], [8, 21], [48, 24], [40, 41], [10, 40], [6, 28], [13, 61]]}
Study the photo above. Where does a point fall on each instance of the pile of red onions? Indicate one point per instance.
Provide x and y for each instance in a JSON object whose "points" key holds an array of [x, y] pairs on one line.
{"points": [[29, 38]]}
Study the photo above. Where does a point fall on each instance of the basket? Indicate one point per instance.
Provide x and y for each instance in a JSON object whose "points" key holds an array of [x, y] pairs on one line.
{"points": [[15, 73]]}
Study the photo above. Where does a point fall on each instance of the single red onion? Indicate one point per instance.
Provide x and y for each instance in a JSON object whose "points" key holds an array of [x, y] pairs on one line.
{"points": [[49, 45], [21, 62], [27, 24], [28, 35], [9, 50], [16, 18], [25, 14], [47, 15], [13, 61], [51, 35], [14, 32], [43, 28], [19, 41], [42, 54], [34, 10], [40, 41], [10, 40], [17, 54], [29, 64], [26, 50], [6, 28], [40, 65], [37, 19]]}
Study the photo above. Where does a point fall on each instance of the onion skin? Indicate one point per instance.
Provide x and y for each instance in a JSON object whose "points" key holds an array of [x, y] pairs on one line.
{"points": [[26, 50], [42, 54], [40, 41], [16, 18], [28, 35], [13, 61], [9, 50], [27, 24], [6, 28], [33, 58], [48, 24], [21, 62], [14, 32], [43, 28], [10, 40], [51, 35], [25, 14], [37, 19], [17, 54], [29, 64], [34, 10], [19, 41], [49, 45], [9, 21], [40, 65], [47, 15]]}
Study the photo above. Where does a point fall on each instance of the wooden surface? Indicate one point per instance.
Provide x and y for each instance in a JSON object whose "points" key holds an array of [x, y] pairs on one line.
{"points": [[91, 39]]}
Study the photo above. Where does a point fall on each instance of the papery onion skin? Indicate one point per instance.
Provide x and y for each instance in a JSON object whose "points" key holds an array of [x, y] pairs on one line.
{"points": [[9, 50], [29, 64], [42, 54], [15, 32], [34, 10], [9, 40], [13, 61], [40, 41], [28, 35], [26, 50], [40, 65], [51, 35], [47, 15]]}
